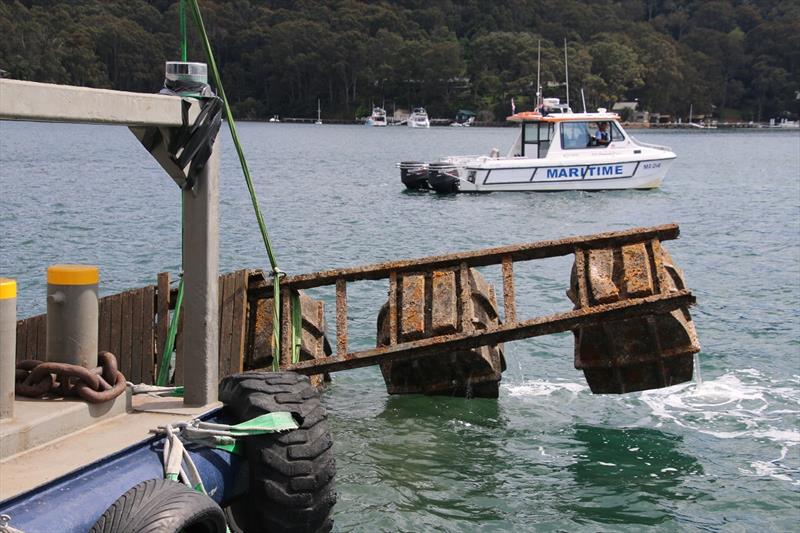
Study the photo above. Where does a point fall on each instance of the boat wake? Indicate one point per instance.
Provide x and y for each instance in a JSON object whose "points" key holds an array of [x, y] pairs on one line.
{"points": [[736, 404], [741, 404]]}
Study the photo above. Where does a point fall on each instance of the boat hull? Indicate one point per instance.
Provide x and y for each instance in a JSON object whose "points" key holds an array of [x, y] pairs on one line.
{"points": [[644, 174]]}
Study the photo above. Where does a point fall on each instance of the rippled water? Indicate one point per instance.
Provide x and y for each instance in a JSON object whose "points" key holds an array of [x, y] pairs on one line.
{"points": [[722, 455]]}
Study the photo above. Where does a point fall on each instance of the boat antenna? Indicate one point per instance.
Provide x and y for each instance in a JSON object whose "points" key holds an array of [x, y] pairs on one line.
{"points": [[538, 73], [583, 99], [566, 68]]}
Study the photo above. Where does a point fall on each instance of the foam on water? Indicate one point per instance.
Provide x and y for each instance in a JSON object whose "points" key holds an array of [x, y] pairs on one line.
{"points": [[733, 405], [741, 404], [531, 388]]}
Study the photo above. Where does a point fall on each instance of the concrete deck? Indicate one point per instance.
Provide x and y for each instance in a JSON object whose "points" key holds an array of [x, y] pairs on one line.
{"points": [[31, 468], [37, 421]]}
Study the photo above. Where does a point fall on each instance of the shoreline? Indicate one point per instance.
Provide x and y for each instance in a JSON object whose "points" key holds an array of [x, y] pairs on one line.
{"points": [[443, 123]]}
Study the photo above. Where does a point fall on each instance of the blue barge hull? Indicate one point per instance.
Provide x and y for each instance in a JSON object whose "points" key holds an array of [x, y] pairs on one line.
{"points": [[74, 502]]}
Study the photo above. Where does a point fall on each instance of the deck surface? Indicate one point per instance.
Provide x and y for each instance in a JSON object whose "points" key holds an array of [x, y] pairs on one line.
{"points": [[32, 468]]}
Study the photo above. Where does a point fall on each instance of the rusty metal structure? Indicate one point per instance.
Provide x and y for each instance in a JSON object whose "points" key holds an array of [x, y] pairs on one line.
{"points": [[439, 303], [647, 352], [440, 332]]}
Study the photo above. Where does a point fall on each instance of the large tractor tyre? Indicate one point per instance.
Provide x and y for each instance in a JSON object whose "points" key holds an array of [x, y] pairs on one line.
{"points": [[291, 486], [161, 506]]}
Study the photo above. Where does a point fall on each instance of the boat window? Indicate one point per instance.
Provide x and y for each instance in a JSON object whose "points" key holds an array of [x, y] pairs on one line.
{"points": [[575, 135], [616, 133], [536, 139], [584, 134]]}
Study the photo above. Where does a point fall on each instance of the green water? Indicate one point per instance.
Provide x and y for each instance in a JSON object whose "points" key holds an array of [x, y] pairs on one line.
{"points": [[721, 455]]}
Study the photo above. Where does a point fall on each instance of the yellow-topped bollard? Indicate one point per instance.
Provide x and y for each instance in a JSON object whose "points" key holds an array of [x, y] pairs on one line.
{"points": [[8, 345], [72, 314]]}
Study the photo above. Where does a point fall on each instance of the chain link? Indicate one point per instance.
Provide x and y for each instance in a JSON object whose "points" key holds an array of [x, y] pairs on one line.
{"points": [[34, 379]]}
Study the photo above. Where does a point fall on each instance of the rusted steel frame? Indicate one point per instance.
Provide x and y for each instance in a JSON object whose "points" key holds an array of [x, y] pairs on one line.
{"points": [[341, 317], [506, 332], [465, 298], [393, 325], [509, 304], [476, 258], [580, 274], [286, 327], [661, 275]]}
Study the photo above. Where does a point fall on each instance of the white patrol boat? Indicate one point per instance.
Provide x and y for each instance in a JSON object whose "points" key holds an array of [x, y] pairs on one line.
{"points": [[554, 152]]}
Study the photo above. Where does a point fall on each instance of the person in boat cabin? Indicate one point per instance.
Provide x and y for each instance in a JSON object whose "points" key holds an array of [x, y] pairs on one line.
{"points": [[601, 137]]}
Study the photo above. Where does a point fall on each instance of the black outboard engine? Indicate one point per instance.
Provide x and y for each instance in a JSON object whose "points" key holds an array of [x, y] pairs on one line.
{"points": [[414, 174], [443, 177]]}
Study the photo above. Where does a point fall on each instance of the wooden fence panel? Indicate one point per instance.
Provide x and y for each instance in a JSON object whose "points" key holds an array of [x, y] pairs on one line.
{"points": [[124, 356], [136, 336], [147, 346], [239, 323], [22, 338], [232, 321]]}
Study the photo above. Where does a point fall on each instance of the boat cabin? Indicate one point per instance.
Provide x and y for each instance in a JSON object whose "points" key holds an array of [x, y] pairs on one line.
{"points": [[540, 134]]}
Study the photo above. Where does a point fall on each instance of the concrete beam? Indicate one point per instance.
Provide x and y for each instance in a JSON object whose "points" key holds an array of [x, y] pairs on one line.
{"points": [[27, 100]]}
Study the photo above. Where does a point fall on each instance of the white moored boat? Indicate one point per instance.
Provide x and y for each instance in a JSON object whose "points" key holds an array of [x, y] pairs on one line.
{"points": [[554, 152], [419, 118], [378, 117]]}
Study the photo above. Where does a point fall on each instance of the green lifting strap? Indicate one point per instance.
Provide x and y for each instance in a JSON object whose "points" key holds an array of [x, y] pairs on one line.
{"points": [[184, 37], [163, 371], [276, 272], [297, 327]]}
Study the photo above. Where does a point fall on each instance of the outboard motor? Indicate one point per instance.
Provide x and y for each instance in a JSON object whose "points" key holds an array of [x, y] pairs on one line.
{"points": [[414, 174], [443, 177]]}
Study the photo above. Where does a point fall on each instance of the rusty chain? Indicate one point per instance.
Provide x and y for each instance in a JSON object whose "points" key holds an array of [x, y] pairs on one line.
{"points": [[37, 378]]}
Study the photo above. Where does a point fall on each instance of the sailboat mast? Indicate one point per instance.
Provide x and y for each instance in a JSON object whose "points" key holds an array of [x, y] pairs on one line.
{"points": [[538, 73], [566, 68]]}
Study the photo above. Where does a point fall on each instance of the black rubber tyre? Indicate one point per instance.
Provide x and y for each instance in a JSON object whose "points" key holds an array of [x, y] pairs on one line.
{"points": [[291, 474], [161, 506]]}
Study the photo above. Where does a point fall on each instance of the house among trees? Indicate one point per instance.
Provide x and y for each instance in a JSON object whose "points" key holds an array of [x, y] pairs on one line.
{"points": [[629, 112]]}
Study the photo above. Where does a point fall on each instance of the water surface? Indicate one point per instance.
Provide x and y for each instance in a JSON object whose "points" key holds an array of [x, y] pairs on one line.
{"points": [[721, 455]]}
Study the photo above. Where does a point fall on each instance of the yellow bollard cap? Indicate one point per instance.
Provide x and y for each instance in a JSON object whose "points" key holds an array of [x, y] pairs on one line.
{"points": [[73, 275], [8, 289]]}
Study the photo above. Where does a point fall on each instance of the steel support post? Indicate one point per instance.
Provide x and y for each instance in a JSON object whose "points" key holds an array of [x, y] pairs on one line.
{"points": [[201, 275]]}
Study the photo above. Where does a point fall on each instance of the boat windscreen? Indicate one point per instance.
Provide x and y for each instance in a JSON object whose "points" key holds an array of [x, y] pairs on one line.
{"points": [[585, 134]]}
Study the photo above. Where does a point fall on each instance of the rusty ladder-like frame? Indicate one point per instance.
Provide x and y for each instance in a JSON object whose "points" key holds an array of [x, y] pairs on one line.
{"points": [[511, 329]]}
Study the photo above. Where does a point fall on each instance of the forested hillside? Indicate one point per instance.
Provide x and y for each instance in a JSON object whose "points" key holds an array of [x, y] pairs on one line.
{"points": [[735, 57]]}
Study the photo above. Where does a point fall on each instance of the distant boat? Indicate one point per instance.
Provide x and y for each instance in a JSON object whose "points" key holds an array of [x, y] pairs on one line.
{"points": [[378, 117], [274, 118], [464, 119], [319, 114], [419, 118]]}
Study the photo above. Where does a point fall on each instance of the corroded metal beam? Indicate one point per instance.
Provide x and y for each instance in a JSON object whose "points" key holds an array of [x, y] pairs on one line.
{"points": [[477, 258], [507, 332]]}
